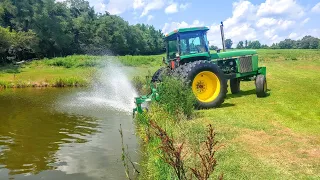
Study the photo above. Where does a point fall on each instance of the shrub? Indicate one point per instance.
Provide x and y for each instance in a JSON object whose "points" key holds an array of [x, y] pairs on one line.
{"points": [[176, 96]]}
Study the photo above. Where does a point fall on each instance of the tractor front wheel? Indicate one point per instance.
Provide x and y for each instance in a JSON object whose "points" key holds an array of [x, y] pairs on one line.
{"points": [[207, 82], [235, 85], [261, 86], [158, 75]]}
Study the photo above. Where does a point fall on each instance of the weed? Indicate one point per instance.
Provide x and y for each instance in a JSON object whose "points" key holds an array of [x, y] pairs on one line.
{"points": [[125, 157], [208, 161], [141, 85], [176, 96], [171, 154]]}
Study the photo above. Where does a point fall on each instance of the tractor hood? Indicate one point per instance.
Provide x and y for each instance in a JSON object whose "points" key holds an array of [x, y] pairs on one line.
{"points": [[233, 54]]}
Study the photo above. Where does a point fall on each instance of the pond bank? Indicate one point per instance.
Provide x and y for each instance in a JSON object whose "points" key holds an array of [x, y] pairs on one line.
{"points": [[72, 71]]}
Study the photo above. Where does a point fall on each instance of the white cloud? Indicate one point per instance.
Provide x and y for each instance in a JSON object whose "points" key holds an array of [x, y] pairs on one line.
{"points": [[169, 27], [280, 7], [138, 4], [266, 22], [316, 8], [241, 32], [115, 6], [285, 24], [172, 8], [150, 17], [305, 21], [242, 11], [184, 6], [153, 5], [293, 36]]}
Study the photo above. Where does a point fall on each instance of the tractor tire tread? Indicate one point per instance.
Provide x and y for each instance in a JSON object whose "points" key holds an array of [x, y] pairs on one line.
{"points": [[184, 74]]}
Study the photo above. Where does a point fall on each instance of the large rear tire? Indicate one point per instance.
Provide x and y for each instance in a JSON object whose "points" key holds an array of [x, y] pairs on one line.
{"points": [[207, 82]]}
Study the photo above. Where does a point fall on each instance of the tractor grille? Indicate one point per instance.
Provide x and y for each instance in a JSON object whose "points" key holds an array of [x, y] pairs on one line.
{"points": [[245, 64]]}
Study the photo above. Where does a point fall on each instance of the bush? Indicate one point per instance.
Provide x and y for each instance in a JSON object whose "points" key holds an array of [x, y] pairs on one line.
{"points": [[176, 96]]}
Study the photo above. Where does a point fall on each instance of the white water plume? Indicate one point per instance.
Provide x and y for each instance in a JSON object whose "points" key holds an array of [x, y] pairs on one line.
{"points": [[111, 89]]}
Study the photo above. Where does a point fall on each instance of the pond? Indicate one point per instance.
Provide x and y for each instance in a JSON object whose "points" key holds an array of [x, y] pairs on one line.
{"points": [[62, 134]]}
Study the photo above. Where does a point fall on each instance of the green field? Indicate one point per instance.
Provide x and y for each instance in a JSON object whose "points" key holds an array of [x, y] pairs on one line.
{"points": [[69, 71], [277, 137]]}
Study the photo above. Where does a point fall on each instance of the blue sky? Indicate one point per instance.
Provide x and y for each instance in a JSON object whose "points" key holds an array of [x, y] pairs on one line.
{"points": [[268, 21]]}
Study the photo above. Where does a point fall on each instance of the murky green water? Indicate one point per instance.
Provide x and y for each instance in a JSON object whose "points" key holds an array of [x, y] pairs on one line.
{"points": [[47, 134]]}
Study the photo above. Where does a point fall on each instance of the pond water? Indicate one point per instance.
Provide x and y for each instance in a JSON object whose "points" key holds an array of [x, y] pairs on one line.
{"points": [[66, 133]]}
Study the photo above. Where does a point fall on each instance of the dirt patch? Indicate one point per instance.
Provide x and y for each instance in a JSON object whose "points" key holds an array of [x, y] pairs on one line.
{"points": [[284, 148]]}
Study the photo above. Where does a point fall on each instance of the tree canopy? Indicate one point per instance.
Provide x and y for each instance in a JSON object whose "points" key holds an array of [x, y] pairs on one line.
{"points": [[228, 43], [307, 42], [46, 28]]}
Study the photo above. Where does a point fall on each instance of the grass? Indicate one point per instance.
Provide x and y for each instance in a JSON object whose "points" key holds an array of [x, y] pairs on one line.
{"points": [[277, 137], [76, 70]]}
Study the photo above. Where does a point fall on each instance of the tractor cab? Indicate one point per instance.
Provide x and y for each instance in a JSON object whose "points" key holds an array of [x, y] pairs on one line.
{"points": [[186, 45]]}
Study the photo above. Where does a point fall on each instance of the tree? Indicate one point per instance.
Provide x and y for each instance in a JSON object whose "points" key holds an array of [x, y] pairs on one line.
{"points": [[287, 44], [264, 46], [254, 45], [228, 43], [246, 44], [274, 46], [16, 46], [240, 45], [309, 42], [213, 47]]}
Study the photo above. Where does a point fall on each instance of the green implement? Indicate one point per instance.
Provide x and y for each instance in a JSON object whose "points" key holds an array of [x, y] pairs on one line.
{"points": [[153, 96]]}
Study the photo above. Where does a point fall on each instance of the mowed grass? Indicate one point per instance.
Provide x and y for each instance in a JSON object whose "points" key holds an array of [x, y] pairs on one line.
{"points": [[277, 137]]}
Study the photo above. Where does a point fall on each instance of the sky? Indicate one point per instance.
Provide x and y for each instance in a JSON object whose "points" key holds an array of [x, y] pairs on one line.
{"points": [[268, 21]]}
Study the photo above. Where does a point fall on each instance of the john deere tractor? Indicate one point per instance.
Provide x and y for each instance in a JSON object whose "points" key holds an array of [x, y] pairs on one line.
{"points": [[189, 58]]}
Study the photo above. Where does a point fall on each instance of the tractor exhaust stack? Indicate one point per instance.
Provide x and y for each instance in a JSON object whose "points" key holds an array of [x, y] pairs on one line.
{"points": [[222, 37]]}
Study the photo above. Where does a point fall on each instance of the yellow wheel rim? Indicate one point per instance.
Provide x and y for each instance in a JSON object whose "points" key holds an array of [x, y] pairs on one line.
{"points": [[206, 86]]}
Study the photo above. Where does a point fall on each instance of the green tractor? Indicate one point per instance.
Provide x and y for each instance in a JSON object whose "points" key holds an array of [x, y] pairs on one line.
{"points": [[188, 57]]}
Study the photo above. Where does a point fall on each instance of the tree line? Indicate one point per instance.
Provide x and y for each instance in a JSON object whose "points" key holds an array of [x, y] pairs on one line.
{"points": [[45, 28], [307, 42]]}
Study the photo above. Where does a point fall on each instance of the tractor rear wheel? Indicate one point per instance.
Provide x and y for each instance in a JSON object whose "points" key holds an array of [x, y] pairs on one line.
{"points": [[261, 86], [207, 82], [235, 85]]}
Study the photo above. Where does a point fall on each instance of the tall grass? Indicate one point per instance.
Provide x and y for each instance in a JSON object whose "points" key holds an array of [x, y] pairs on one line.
{"points": [[78, 61], [176, 97], [166, 144]]}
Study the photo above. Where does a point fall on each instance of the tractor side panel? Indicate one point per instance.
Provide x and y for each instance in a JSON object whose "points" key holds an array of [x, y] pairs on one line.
{"points": [[255, 64]]}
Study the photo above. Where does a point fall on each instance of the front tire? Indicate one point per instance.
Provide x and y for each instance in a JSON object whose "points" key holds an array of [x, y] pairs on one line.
{"points": [[261, 86], [158, 75], [235, 85], [207, 82]]}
